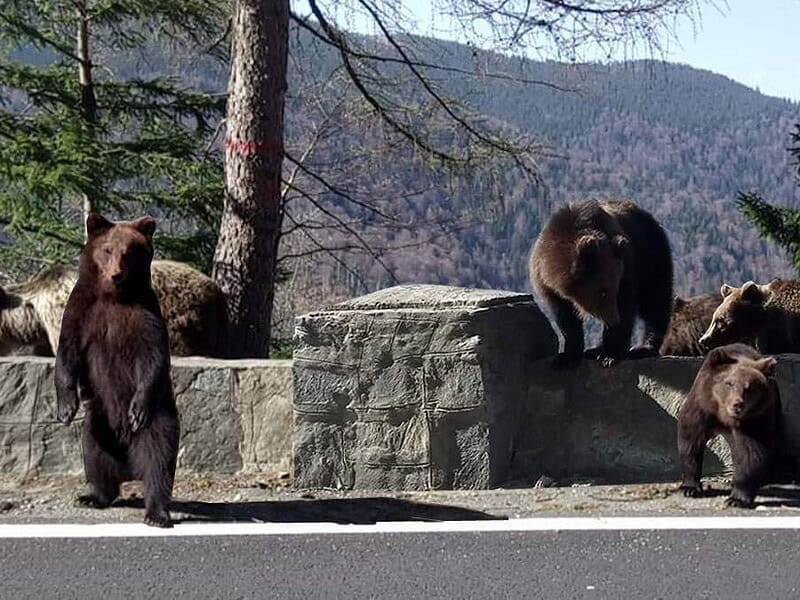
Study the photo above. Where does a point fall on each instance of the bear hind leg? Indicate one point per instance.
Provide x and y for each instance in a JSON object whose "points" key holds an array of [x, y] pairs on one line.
{"points": [[104, 471], [154, 456]]}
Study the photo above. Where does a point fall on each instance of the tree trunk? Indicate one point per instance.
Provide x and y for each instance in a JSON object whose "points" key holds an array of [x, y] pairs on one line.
{"points": [[88, 99], [244, 261]]}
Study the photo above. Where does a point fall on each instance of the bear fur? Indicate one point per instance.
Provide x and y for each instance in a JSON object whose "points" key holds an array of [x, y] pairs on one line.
{"points": [[192, 304], [690, 320], [114, 352], [765, 316], [734, 394], [610, 260]]}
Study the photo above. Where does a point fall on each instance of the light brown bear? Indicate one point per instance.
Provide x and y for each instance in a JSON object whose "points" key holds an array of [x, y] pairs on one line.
{"points": [[690, 320], [734, 394], [192, 304], [610, 260], [765, 316]]}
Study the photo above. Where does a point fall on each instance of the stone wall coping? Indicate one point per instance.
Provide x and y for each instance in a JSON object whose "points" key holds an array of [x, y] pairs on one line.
{"points": [[179, 361]]}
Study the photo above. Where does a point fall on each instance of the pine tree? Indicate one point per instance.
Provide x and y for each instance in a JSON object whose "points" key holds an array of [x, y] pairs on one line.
{"points": [[76, 136], [777, 223]]}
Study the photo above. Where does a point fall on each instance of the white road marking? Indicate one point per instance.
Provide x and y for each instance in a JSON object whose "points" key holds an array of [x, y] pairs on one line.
{"points": [[124, 530]]}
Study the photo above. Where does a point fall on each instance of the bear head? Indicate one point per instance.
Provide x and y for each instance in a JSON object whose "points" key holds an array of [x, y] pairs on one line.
{"points": [[117, 255], [739, 317], [596, 270], [740, 382]]}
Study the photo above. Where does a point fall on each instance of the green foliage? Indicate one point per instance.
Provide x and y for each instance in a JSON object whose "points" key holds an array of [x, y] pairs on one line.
{"points": [[777, 223], [147, 147]]}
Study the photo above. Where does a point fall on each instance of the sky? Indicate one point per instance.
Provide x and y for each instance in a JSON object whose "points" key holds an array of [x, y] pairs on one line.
{"points": [[755, 42]]}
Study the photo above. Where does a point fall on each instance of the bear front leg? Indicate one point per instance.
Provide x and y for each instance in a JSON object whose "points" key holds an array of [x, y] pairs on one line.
{"points": [[751, 460], [152, 375], [692, 438], [67, 373], [617, 337], [571, 328]]}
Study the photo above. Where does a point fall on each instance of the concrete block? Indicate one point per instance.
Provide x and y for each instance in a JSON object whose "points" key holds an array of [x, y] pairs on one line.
{"points": [[236, 416], [413, 387]]}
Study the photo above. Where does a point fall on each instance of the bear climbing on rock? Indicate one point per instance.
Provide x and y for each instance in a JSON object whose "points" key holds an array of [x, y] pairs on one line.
{"points": [[192, 304], [765, 316], [734, 394], [609, 260], [114, 352], [690, 320]]}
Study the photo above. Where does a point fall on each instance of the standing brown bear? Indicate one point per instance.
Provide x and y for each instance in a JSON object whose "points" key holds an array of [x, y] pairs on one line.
{"points": [[114, 352], [610, 260], [734, 394]]}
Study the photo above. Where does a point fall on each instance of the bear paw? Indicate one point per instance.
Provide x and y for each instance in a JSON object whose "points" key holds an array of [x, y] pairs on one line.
{"points": [[66, 410], [606, 361], [691, 491], [158, 519], [91, 501], [137, 416], [642, 352], [735, 502]]}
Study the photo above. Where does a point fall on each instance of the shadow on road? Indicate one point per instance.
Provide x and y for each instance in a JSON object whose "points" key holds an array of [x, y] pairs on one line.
{"points": [[360, 511], [783, 496]]}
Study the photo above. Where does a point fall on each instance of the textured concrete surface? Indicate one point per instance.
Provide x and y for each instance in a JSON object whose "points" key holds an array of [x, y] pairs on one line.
{"points": [[430, 387], [235, 416], [413, 387]]}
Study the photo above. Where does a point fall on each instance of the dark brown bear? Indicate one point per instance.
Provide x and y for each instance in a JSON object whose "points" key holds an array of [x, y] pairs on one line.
{"points": [[766, 316], [734, 394], [690, 319], [610, 260], [114, 351]]}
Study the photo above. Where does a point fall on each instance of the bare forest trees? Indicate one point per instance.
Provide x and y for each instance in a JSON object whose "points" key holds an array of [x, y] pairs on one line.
{"points": [[387, 93]]}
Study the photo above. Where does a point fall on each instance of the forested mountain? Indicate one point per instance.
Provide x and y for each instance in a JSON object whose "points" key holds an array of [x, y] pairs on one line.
{"points": [[679, 141]]}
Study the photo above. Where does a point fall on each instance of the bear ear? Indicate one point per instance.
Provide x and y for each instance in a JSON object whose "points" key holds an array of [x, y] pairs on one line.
{"points": [[751, 292], [767, 365], [726, 290], [720, 356], [97, 224], [146, 226], [679, 302]]}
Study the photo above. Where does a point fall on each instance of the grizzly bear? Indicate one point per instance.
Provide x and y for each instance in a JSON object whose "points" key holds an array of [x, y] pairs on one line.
{"points": [[690, 319], [734, 394], [192, 304], [609, 260], [114, 352], [765, 316]]}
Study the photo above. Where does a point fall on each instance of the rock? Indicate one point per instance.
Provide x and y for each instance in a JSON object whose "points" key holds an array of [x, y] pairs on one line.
{"points": [[414, 387], [235, 415]]}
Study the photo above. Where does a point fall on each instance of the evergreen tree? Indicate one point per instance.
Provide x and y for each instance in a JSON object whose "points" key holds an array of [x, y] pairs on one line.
{"points": [[76, 136], [777, 223]]}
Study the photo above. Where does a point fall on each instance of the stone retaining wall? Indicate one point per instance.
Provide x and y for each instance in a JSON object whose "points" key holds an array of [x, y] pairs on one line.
{"points": [[236, 415], [431, 387]]}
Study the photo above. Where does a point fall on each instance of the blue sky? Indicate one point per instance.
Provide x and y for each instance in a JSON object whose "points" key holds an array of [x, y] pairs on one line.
{"points": [[754, 42]]}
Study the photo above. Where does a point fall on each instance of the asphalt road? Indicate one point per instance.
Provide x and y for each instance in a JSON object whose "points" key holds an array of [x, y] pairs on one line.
{"points": [[641, 564]]}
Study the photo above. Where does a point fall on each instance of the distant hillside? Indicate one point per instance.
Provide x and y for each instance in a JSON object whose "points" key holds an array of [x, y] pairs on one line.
{"points": [[677, 140]]}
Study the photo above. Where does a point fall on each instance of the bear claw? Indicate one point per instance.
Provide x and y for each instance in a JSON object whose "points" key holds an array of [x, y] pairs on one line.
{"points": [[691, 491], [91, 501], [159, 519], [734, 502]]}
